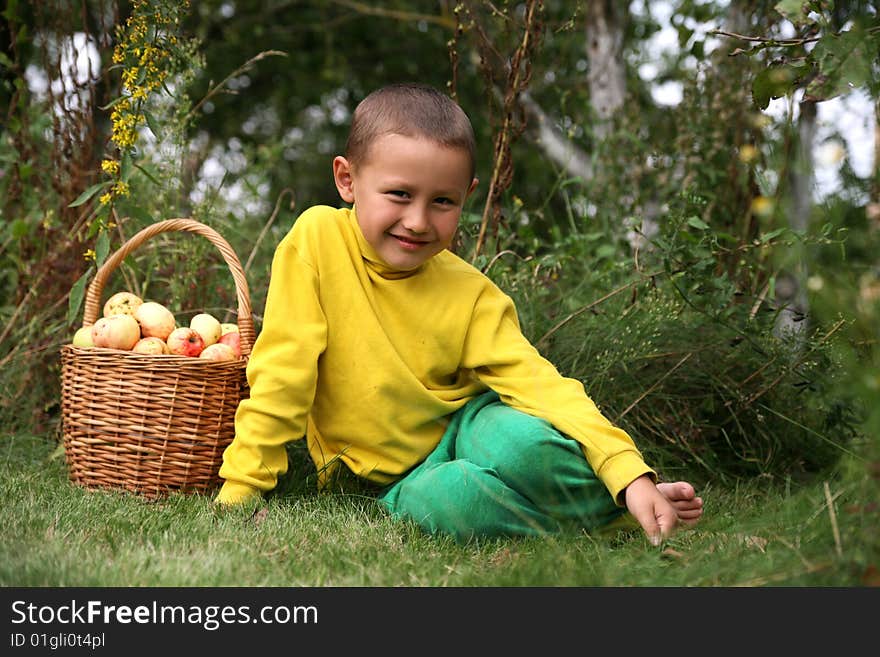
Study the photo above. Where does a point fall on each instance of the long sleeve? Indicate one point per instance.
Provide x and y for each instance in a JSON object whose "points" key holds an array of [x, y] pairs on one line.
{"points": [[503, 359], [282, 375]]}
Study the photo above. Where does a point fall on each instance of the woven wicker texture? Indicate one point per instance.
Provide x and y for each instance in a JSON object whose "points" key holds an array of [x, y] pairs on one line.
{"points": [[151, 424]]}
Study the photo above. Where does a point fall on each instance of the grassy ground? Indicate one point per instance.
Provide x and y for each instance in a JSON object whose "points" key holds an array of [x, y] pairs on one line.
{"points": [[754, 534]]}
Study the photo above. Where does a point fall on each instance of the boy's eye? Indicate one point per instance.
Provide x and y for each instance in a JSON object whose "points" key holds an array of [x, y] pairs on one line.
{"points": [[443, 200], [398, 193]]}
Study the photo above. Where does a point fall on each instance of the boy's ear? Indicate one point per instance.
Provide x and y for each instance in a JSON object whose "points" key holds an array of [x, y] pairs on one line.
{"points": [[473, 186], [342, 178]]}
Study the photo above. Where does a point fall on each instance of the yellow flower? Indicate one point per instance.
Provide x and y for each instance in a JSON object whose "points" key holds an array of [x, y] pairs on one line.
{"points": [[762, 206], [748, 153], [110, 167], [89, 254], [105, 198], [121, 188]]}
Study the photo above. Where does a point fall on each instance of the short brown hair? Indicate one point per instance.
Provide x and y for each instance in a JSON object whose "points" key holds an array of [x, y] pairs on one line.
{"points": [[411, 110]]}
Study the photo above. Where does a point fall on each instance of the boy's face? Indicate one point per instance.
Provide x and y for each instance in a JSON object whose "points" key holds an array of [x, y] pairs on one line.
{"points": [[408, 195]]}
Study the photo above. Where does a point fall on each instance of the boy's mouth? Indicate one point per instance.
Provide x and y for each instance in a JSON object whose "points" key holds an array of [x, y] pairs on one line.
{"points": [[409, 243]]}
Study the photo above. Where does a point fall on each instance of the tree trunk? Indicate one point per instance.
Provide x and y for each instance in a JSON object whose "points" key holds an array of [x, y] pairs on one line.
{"points": [[791, 294], [607, 70], [607, 84]]}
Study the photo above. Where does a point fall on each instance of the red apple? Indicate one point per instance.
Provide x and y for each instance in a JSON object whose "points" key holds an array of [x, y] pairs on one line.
{"points": [[122, 303], [233, 339], [208, 326], [218, 351], [183, 341], [150, 345], [155, 320], [116, 332]]}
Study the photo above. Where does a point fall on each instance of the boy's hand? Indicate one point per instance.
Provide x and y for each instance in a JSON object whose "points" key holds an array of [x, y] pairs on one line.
{"points": [[234, 493], [653, 511]]}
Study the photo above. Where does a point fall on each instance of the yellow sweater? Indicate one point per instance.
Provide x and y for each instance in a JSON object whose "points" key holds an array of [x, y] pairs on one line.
{"points": [[368, 363]]}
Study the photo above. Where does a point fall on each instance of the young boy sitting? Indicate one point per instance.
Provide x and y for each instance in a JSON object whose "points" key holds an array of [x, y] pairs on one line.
{"points": [[406, 366]]}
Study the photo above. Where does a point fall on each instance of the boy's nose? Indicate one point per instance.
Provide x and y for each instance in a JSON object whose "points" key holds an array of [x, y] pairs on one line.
{"points": [[416, 220]]}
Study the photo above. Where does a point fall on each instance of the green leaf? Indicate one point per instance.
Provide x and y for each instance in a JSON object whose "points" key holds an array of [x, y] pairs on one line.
{"points": [[99, 219], [776, 81], [149, 173], [57, 453], [89, 193], [142, 215], [125, 168], [793, 10], [844, 62], [698, 223], [113, 102], [11, 11], [766, 237], [20, 228], [606, 251], [152, 123], [77, 292], [102, 247]]}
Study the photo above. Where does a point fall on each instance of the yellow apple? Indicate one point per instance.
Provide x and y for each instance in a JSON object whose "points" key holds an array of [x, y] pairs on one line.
{"points": [[208, 326], [150, 345], [122, 303], [83, 337], [228, 328], [155, 320], [218, 351], [116, 332]]}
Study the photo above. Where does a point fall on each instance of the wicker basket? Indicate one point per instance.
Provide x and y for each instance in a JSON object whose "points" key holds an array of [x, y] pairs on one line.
{"points": [[151, 424]]}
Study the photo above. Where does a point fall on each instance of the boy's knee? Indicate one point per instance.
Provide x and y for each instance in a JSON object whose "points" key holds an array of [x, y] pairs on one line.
{"points": [[518, 445], [439, 487], [463, 500]]}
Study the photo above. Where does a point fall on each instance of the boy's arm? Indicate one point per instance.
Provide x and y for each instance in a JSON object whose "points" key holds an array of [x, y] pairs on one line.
{"points": [[503, 358], [282, 375]]}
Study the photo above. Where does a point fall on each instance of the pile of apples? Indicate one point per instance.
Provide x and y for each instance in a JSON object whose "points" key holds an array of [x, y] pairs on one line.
{"points": [[147, 327]]}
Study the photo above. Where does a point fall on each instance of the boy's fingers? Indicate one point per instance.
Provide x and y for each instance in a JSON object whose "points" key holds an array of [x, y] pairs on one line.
{"points": [[663, 524], [649, 524]]}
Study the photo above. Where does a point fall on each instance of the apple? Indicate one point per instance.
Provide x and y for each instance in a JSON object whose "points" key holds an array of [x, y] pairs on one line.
{"points": [[155, 320], [233, 339], [116, 332], [83, 337], [150, 345], [208, 326], [122, 303], [184, 341], [228, 328], [218, 351]]}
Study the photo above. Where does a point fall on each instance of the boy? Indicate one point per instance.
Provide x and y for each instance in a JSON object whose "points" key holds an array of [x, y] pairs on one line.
{"points": [[406, 367]]}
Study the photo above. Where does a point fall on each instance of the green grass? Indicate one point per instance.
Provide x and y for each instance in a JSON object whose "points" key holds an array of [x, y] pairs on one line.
{"points": [[754, 534]]}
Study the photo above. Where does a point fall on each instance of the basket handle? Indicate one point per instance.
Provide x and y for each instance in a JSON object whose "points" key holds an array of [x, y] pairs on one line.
{"points": [[96, 287]]}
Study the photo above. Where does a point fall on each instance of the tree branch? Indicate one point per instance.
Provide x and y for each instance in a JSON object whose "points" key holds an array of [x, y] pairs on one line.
{"points": [[560, 149], [396, 14]]}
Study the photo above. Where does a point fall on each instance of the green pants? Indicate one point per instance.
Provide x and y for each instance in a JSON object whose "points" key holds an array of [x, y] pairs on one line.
{"points": [[500, 472]]}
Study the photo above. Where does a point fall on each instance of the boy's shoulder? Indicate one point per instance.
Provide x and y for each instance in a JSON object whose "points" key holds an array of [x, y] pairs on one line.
{"points": [[319, 217], [317, 221], [456, 269]]}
